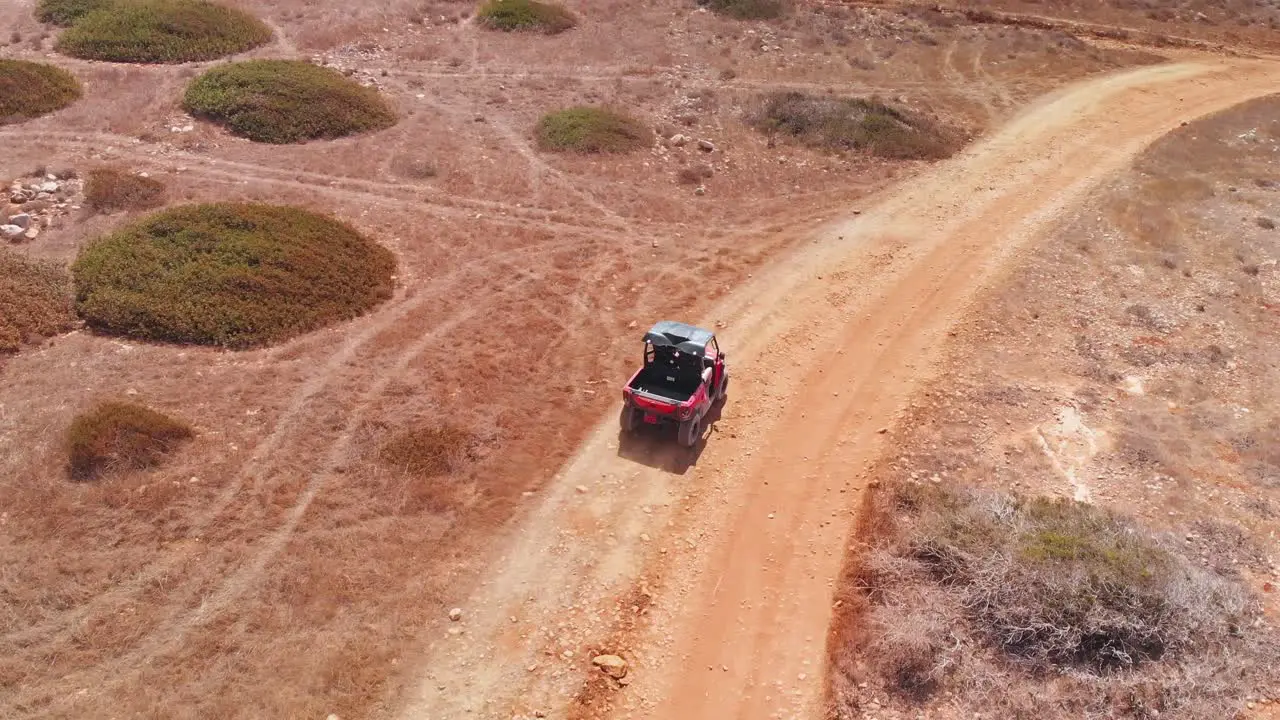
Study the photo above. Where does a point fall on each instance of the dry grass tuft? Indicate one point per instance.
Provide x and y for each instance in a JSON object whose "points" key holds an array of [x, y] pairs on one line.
{"points": [[286, 101], [852, 124], [526, 15], [233, 275], [747, 9], [114, 436], [29, 90], [591, 130], [429, 450], [162, 31], [112, 189], [35, 300], [964, 590]]}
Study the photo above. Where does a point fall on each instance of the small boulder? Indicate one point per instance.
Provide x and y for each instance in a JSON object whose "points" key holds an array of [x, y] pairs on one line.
{"points": [[700, 190], [455, 614], [11, 232], [22, 220], [706, 146], [677, 140], [612, 665], [32, 233], [50, 186]]}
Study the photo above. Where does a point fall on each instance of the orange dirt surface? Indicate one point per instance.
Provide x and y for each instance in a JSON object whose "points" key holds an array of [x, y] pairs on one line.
{"points": [[276, 567]]}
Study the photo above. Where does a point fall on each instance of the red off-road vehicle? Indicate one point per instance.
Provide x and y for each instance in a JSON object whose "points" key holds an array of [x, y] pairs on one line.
{"points": [[684, 374]]}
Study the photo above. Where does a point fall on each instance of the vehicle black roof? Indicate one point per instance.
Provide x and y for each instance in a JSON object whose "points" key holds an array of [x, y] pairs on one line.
{"points": [[685, 338]]}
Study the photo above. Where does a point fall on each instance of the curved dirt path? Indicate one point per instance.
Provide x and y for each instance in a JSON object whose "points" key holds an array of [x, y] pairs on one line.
{"points": [[734, 548]]}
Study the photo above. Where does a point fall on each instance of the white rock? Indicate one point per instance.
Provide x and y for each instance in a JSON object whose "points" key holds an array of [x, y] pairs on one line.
{"points": [[677, 140], [10, 231], [32, 233], [455, 614], [49, 187], [613, 666], [706, 145]]}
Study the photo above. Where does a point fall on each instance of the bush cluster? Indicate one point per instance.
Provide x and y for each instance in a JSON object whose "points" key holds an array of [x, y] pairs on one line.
{"points": [[35, 300], [114, 436], [835, 123], [158, 31], [29, 90], [112, 189], [232, 275], [526, 15], [590, 130], [286, 101]]}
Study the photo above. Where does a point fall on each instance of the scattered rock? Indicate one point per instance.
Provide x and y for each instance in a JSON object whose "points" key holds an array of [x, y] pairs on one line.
{"points": [[581, 488], [677, 140], [706, 146], [50, 186], [612, 665], [11, 232], [22, 220], [455, 614], [32, 233], [700, 190]]}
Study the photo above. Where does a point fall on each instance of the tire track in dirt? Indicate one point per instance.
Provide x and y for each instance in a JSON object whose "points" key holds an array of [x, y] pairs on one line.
{"points": [[169, 636], [259, 464], [741, 541], [369, 192]]}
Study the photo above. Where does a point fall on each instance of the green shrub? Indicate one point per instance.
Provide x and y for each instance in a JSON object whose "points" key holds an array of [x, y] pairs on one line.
{"points": [[233, 275], [286, 101], [111, 189], [162, 31], [590, 130], [66, 12], [526, 15], [114, 436], [748, 9], [29, 90], [851, 124], [35, 300]]}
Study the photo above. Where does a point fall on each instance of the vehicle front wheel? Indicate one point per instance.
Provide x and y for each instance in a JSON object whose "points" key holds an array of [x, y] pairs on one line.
{"points": [[628, 419], [690, 431]]}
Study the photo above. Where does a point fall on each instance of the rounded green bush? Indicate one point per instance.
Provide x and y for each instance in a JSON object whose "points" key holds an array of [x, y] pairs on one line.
{"points": [[286, 101], [162, 31], [231, 275], [590, 130], [525, 15], [29, 90]]}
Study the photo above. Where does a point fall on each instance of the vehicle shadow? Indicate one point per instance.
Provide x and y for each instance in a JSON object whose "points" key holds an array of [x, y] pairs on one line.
{"points": [[657, 447]]}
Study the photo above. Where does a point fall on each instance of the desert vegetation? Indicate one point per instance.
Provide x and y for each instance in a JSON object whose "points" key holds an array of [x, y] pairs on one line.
{"points": [[835, 123], [29, 89], [428, 450], [526, 16], [66, 12], [110, 189], [156, 31], [233, 275], [35, 300], [286, 101], [590, 130], [962, 592], [113, 436], [747, 9]]}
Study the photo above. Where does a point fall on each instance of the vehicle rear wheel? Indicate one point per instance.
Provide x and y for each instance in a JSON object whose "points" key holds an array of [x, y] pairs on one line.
{"points": [[690, 431], [629, 418]]}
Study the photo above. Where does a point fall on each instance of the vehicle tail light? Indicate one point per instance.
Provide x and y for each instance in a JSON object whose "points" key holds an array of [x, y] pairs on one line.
{"points": [[686, 412]]}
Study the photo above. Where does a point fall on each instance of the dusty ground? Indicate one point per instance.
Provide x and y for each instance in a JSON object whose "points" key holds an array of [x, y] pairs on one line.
{"points": [[1130, 359], [275, 569]]}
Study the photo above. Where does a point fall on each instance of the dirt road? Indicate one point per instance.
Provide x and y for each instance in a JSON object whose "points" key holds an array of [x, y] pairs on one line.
{"points": [[734, 549]]}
